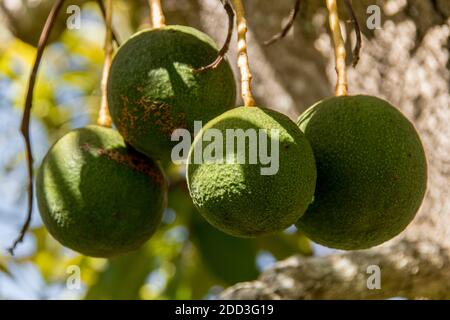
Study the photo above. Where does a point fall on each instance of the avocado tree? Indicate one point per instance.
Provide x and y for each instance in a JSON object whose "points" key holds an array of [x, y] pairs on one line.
{"points": [[370, 165]]}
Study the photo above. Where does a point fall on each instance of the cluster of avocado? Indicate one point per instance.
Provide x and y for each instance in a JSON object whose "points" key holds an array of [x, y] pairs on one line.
{"points": [[102, 192], [351, 174]]}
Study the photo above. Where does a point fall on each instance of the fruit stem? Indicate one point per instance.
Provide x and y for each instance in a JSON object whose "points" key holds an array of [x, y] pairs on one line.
{"points": [[246, 76], [339, 48], [224, 50], [103, 11], [104, 118], [25, 125], [284, 31], [357, 49], [157, 14]]}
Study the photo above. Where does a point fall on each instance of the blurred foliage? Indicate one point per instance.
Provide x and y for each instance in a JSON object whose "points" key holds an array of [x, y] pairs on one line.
{"points": [[186, 258]]}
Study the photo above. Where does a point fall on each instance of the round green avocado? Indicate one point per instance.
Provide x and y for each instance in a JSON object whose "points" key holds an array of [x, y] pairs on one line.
{"points": [[371, 172], [153, 87], [245, 197], [97, 196]]}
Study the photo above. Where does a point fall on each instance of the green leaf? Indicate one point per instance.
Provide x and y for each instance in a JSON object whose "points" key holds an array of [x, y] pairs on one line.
{"points": [[123, 277], [283, 245], [230, 259], [4, 269]]}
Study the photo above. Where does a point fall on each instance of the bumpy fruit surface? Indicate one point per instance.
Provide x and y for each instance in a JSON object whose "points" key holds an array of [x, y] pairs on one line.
{"points": [[236, 197], [97, 196], [371, 172], [153, 87]]}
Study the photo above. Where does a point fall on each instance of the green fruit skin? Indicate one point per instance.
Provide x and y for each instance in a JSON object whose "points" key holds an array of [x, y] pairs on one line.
{"points": [[153, 89], [236, 198], [371, 172], [98, 197]]}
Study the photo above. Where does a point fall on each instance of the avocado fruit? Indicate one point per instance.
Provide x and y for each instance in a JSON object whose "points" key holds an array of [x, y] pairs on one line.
{"points": [[155, 87], [244, 197], [98, 196], [371, 172]]}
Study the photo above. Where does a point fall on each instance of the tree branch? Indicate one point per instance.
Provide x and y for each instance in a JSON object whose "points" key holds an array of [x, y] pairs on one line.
{"points": [[25, 126], [408, 269], [104, 118], [223, 51], [354, 19], [284, 31], [103, 11]]}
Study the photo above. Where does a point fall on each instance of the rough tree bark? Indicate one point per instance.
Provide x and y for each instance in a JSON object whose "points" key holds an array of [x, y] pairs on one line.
{"points": [[405, 62]]}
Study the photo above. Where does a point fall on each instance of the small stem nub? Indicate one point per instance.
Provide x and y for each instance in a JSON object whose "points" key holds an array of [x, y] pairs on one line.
{"points": [[246, 76], [157, 14], [104, 118], [339, 48]]}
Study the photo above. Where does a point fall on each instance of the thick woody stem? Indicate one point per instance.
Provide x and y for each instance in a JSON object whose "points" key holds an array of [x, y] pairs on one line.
{"points": [[339, 48], [157, 14], [246, 76], [104, 118]]}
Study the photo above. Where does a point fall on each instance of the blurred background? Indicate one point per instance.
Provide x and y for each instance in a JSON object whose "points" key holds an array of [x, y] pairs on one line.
{"points": [[404, 59]]}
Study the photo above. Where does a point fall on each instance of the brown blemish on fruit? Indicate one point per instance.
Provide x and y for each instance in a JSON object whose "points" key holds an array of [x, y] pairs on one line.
{"points": [[161, 115], [131, 159], [137, 118], [126, 120]]}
